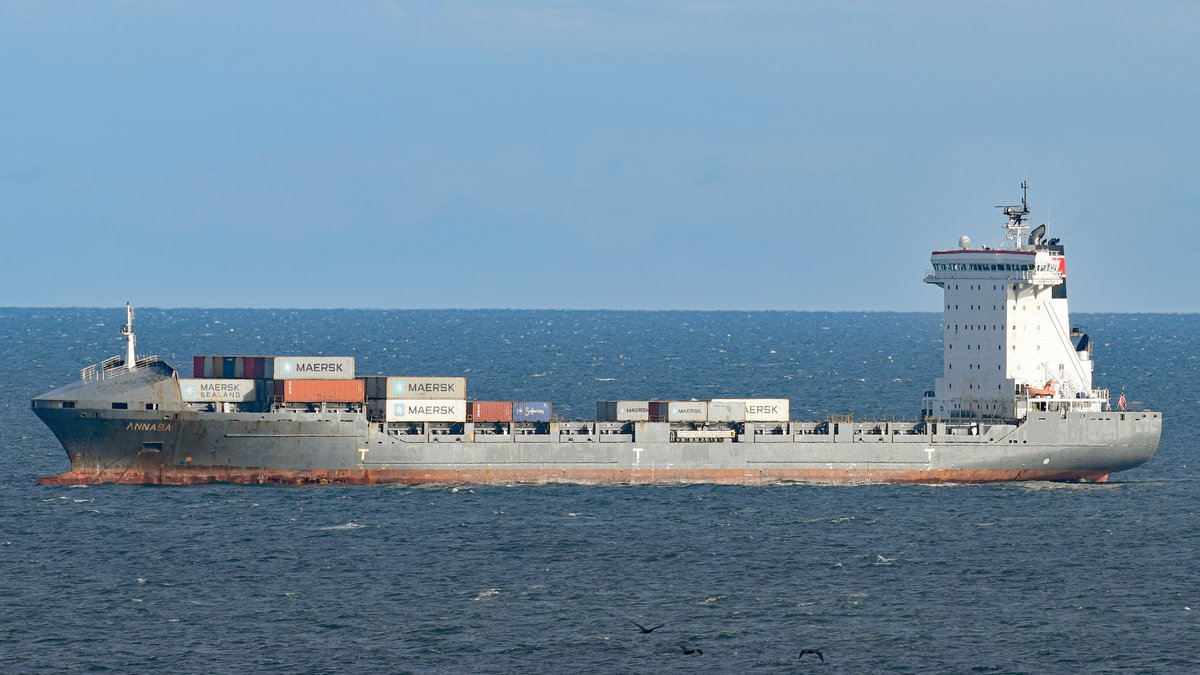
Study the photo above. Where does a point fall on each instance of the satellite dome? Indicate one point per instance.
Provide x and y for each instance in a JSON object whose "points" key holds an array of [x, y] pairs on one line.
{"points": [[964, 242]]}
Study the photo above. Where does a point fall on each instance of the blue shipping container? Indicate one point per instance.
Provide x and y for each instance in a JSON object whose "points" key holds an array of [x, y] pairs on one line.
{"points": [[531, 411]]}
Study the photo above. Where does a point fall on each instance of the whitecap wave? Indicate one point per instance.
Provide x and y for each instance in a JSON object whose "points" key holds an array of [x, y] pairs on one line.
{"points": [[345, 526]]}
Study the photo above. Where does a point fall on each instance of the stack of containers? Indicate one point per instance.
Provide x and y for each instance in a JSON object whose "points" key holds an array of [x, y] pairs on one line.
{"points": [[233, 367], [228, 379], [317, 379], [292, 379], [417, 399]]}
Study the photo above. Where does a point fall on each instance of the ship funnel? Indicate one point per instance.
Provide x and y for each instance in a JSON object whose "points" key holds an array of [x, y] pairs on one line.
{"points": [[1035, 237]]}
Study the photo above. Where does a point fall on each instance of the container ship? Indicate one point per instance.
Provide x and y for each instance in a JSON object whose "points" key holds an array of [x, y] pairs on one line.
{"points": [[1015, 401]]}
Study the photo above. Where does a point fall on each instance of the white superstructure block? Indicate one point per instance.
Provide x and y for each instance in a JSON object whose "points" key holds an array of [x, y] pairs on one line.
{"points": [[1008, 340]]}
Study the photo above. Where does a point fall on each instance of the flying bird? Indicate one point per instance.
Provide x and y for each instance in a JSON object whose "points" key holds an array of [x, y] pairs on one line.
{"points": [[813, 651], [689, 651], [644, 629]]}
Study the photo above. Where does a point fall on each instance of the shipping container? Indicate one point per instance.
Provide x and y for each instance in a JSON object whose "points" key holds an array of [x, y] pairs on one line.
{"points": [[375, 386], [208, 367], [657, 411], [491, 411], [427, 387], [320, 391], [212, 389], [622, 411], [678, 411], [726, 411], [197, 366], [229, 368], [762, 409], [314, 368], [531, 411], [424, 410]]}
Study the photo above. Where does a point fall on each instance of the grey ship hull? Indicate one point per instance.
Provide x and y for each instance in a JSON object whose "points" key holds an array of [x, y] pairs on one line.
{"points": [[172, 444]]}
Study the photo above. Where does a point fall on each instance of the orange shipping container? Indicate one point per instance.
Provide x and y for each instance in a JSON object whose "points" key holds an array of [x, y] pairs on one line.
{"points": [[321, 391]]}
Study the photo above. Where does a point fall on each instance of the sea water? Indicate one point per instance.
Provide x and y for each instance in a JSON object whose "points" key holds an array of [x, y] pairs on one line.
{"points": [[1020, 577]]}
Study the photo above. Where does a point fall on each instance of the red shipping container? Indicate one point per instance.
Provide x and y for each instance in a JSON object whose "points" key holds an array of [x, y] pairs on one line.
{"points": [[320, 391], [659, 411], [197, 366], [491, 411]]}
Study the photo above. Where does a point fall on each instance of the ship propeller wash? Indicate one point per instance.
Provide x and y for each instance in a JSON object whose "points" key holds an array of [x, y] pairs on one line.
{"points": [[1015, 401]]}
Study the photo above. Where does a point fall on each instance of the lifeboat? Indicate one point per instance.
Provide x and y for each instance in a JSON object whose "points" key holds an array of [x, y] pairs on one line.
{"points": [[1046, 391]]}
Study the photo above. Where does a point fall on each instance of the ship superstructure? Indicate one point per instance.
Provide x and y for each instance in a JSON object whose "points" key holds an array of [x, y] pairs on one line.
{"points": [[1015, 401], [1009, 345]]}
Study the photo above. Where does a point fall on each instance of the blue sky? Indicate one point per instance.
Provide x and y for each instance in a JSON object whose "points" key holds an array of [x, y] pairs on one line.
{"points": [[558, 154]]}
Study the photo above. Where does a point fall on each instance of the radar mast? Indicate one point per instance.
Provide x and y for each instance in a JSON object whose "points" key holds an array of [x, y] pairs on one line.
{"points": [[1016, 224]]}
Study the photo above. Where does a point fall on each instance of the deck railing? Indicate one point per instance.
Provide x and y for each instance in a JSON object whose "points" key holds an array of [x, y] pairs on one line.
{"points": [[113, 366]]}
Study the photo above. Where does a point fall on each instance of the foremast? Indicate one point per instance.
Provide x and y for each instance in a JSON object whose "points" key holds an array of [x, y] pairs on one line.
{"points": [[1009, 346], [130, 339], [118, 365]]}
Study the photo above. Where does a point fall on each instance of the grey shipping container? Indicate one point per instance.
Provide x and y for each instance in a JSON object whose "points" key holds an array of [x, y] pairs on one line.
{"points": [[678, 411], [426, 387], [761, 409], [314, 368], [623, 411], [422, 410], [726, 411], [213, 389]]}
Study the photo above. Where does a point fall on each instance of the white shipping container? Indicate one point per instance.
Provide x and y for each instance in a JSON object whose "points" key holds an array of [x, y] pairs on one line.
{"points": [[425, 410], [687, 411], [761, 409], [726, 411], [427, 387], [314, 367], [196, 390]]}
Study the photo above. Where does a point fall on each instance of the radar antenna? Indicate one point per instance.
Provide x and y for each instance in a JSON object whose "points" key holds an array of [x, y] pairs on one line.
{"points": [[1016, 217], [130, 340]]}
